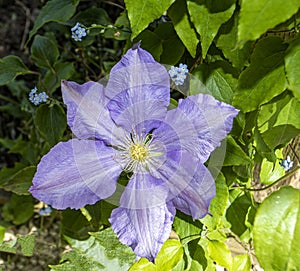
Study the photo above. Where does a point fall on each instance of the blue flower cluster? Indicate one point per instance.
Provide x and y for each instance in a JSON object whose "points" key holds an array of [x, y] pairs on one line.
{"points": [[178, 74], [37, 98], [78, 32], [286, 163]]}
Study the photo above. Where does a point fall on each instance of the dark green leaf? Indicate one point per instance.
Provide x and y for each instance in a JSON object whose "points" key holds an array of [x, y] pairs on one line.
{"points": [[75, 224], [20, 182], [19, 209], [56, 11], [280, 135], [91, 16], [7, 173], [234, 154], [173, 48], [179, 15], [141, 13], [51, 122], [257, 16], [150, 42], [44, 52], [237, 212], [292, 66], [264, 78], [63, 70], [276, 231], [207, 17], [10, 68]]}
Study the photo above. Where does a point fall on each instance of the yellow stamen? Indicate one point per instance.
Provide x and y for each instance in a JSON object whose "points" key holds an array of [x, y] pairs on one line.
{"points": [[138, 152]]}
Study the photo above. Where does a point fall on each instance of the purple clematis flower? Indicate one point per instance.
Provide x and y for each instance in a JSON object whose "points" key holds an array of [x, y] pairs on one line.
{"points": [[125, 127]]}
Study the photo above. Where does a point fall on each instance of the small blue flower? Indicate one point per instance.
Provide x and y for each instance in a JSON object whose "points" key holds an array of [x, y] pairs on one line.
{"points": [[286, 163], [43, 96], [36, 98], [178, 74], [45, 211], [78, 32]]}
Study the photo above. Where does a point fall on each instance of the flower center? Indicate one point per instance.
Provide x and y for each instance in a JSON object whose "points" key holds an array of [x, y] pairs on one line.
{"points": [[138, 152]]}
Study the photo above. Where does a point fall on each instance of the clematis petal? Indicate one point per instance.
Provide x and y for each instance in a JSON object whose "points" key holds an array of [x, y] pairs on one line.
{"points": [[198, 125], [76, 173], [191, 185], [143, 227], [87, 114], [139, 90]]}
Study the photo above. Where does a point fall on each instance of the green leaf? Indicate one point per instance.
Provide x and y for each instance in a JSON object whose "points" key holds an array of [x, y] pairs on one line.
{"points": [[220, 253], [170, 255], [7, 173], [227, 41], [237, 212], [90, 254], [75, 224], [54, 11], [276, 231], [207, 17], [19, 209], [10, 68], [218, 204], [241, 263], [44, 52], [270, 172], [185, 226], [173, 48], [292, 67], [51, 122], [63, 70], [113, 248], [264, 78], [179, 15], [234, 154], [142, 13], [91, 16], [27, 245], [257, 16], [279, 135], [281, 112], [218, 80], [20, 182], [143, 265], [150, 42]]}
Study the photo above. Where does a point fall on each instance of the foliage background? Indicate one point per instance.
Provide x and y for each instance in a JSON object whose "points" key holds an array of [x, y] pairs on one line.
{"points": [[246, 53]]}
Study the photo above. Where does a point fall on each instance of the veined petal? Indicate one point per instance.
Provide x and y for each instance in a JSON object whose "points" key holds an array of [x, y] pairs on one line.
{"points": [[144, 191], [190, 183], [87, 114], [138, 89], [198, 125], [76, 173], [144, 230]]}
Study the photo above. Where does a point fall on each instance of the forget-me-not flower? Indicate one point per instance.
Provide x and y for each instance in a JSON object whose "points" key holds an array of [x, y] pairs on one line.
{"points": [[78, 32], [287, 164], [179, 74], [37, 98], [125, 126]]}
